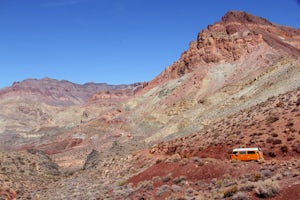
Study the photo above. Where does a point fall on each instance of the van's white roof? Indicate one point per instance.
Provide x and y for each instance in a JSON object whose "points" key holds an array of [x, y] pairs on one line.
{"points": [[247, 149]]}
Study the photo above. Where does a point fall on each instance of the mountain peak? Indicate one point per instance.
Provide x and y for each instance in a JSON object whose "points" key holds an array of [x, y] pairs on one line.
{"points": [[238, 38], [244, 18]]}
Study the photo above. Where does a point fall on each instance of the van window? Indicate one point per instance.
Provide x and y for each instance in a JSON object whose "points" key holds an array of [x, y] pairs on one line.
{"points": [[251, 152], [242, 152], [235, 152]]}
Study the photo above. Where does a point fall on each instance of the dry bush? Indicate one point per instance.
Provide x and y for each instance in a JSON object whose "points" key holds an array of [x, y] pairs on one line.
{"points": [[179, 180], [284, 149], [158, 161], [269, 140], [271, 119], [290, 138], [166, 178], [289, 124], [145, 185], [156, 178], [272, 154], [296, 148], [274, 135], [255, 177], [267, 188], [265, 173], [176, 188], [231, 191], [162, 190], [240, 196], [174, 158], [276, 141], [248, 186], [277, 177], [198, 161]]}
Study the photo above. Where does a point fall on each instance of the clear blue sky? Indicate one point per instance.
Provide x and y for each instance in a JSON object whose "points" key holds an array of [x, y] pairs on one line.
{"points": [[111, 41]]}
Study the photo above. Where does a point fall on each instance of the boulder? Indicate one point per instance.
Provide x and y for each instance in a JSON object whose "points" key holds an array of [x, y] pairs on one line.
{"points": [[92, 160]]}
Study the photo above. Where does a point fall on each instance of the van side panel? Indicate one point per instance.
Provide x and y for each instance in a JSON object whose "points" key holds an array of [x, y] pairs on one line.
{"points": [[247, 155]]}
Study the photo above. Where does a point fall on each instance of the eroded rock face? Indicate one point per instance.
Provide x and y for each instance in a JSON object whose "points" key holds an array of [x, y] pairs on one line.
{"points": [[233, 39], [92, 160], [50, 167]]}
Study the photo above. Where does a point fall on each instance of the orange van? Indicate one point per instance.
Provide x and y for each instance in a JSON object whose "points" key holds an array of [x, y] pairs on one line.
{"points": [[247, 154]]}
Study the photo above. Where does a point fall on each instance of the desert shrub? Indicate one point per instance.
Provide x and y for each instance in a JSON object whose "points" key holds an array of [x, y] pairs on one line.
{"points": [[158, 161], [298, 102], [296, 148], [229, 182], [274, 135], [179, 180], [166, 178], [248, 186], [198, 161], [267, 188], [265, 173], [156, 178], [231, 191], [240, 196], [290, 138], [271, 119], [276, 141], [121, 182], [280, 104], [289, 124], [174, 158], [177, 198], [284, 149], [269, 140], [277, 177], [214, 181], [176, 188], [226, 176], [162, 190], [286, 173], [255, 177], [272, 154], [145, 185], [190, 192], [184, 162]]}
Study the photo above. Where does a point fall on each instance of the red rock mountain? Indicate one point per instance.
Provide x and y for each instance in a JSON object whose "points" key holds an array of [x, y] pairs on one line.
{"points": [[235, 39]]}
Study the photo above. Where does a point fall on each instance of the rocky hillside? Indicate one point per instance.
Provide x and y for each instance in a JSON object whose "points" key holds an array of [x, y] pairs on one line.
{"points": [[234, 64], [190, 167]]}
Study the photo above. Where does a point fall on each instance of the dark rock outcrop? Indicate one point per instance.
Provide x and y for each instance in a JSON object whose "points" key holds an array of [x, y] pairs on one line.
{"points": [[92, 160], [46, 163]]}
